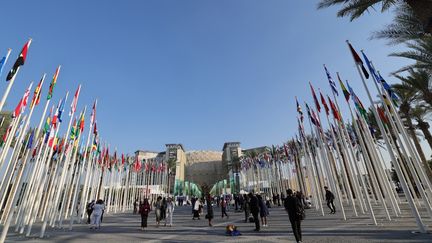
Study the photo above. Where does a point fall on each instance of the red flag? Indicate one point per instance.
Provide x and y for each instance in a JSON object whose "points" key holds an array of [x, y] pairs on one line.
{"points": [[315, 98], [323, 101], [75, 100], [19, 61], [358, 60], [334, 110]]}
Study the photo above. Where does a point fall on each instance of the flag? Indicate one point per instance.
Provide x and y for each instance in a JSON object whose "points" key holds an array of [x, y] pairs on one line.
{"points": [[299, 110], [20, 108], [358, 60], [75, 101], [335, 111], [369, 65], [48, 121], [95, 131], [30, 140], [389, 90], [53, 83], [382, 115], [344, 90], [315, 120], [73, 132], [332, 83], [358, 104], [19, 61], [36, 95], [93, 114], [3, 61], [122, 159], [324, 103], [61, 109], [81, 124], [318, 107]]}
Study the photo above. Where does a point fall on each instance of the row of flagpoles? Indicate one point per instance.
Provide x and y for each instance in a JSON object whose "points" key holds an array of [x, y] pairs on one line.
{"points": [[347, 157], [48, 177]]}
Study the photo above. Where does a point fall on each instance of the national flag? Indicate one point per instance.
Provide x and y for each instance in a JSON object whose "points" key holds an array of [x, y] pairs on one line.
{"points": [[37, 93], [357, 102], [53, 83], [122, 159], [370, 67], [30, 140], [137, 165], [4, 60], [19, 61], [332, 83], [389, 90], [48, 121], [299, 110], [335, 111], [358, 60], [5, 136], [95, 131], [318, 107], [75, 101], [93, 114], [20, 108], [61, 109], [81, 124], [73, 132], [382, 115], [344, 90], [315, 120], [324, 103]]}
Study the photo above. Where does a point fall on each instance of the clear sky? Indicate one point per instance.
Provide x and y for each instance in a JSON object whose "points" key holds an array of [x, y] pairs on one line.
{"points": [[196, 72]]}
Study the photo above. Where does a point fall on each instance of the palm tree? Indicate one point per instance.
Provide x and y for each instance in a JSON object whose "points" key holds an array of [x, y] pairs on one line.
{"points": [[420, 115], [419, 81], [405, 27], [407, 97], [422, 9], [419, 51]]}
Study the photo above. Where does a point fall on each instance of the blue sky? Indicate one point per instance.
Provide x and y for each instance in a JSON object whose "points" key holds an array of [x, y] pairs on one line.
{"points": [[196, 72]]}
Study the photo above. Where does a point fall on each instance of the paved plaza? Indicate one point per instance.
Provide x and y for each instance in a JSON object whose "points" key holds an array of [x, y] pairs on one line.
{"points": [[125, 227]]}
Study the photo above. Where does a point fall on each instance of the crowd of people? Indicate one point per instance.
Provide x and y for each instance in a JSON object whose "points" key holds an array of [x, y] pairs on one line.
{"points": [[255, 208]]}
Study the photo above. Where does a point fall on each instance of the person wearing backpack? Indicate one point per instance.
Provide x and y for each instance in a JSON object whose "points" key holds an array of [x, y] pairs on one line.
{"points": [[329, 198], [144, 210], [295, 211]]}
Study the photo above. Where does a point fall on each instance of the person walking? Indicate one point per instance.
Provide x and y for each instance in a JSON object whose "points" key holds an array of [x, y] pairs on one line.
{"points": [[210, 215], [169, 211], [263, 211], [255, 209], [135, 206], [196, 209], [163, 208], [90, 210], [98, 208], [295, 211], [246, 207], [224, 208], [329, 198], [144, 210], [158, 209]]}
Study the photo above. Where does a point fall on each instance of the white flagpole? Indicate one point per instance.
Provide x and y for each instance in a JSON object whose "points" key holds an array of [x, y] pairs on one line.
{"points": [[413, 207], [11, 82]]}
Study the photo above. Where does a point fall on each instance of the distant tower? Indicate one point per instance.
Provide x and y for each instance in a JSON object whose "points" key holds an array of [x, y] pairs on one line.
{"points": [[175, 153], [230, 158]]}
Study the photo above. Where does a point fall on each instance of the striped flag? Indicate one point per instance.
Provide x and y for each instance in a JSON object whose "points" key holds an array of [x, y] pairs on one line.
{"points": [[19, 61], [53, 83], [344, 90], [75, 101], [37, 93], [318, 107], [93, 114], [20, 108], [332, 83]]}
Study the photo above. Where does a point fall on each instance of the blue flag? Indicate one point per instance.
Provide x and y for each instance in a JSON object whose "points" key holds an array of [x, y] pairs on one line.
{"points": [[369, 65], [30, 140], [2, 62], [332, 83]]}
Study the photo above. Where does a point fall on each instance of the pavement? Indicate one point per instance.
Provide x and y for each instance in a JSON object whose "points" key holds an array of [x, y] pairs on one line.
{"points": [[125, 227]]}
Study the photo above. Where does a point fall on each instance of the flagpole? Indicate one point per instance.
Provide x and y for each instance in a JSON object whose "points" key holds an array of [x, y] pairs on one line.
{"points": [[11, 82], [407, 193]]}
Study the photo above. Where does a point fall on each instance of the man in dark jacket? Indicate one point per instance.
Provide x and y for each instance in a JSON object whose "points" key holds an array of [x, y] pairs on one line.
{"points": [[294, 208], [254, 209], [329, 198]]}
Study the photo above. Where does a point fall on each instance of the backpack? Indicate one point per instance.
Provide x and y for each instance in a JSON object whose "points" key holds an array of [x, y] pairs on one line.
{"points": [[301, 212], [90, 207]]}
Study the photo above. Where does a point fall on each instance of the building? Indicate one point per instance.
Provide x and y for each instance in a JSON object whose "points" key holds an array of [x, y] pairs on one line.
{"points": [[204, 167]]}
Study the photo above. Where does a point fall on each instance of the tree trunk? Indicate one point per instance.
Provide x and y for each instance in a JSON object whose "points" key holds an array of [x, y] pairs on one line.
{"points": [[411, 130], [424, 127], [423, 11]]}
